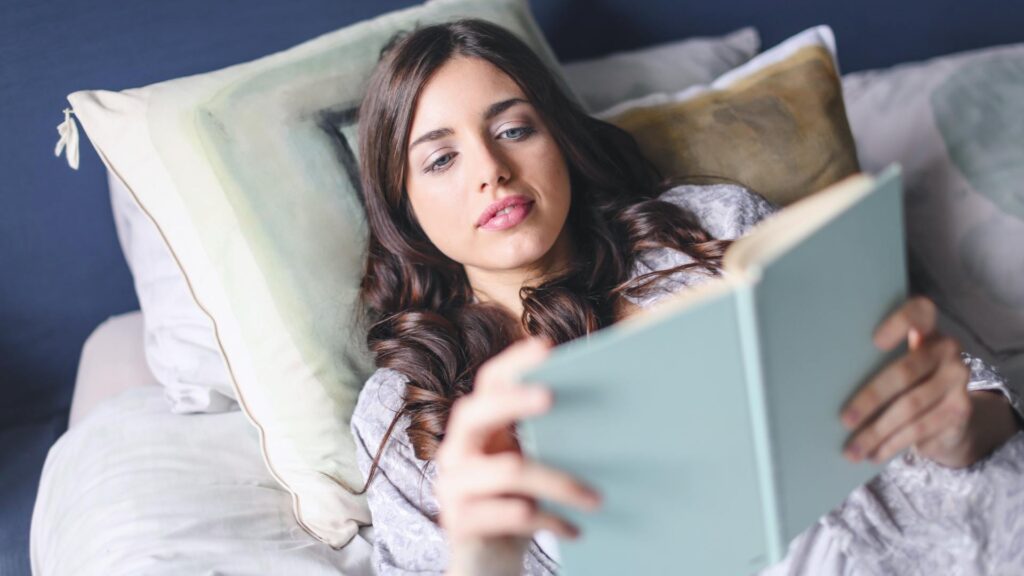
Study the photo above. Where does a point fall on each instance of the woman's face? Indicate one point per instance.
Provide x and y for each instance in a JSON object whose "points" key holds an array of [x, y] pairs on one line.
{"points": [[476, 141]]}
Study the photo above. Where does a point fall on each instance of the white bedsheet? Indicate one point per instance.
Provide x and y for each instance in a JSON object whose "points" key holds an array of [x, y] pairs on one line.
{"points": [[135, 489]]}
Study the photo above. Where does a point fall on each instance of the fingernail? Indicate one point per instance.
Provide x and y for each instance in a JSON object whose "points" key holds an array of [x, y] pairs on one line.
{"points": [[853, 451], [882, 340], [850, 418]]}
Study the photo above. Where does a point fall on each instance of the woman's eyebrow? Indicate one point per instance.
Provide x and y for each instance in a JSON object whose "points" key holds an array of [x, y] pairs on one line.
{"points": [[432, 135], [499, 107], [492, 111]]}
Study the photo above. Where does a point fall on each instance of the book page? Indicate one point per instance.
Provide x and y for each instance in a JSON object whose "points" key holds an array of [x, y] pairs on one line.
{"points": [[781, 231], [770, 238], [683, 299]]}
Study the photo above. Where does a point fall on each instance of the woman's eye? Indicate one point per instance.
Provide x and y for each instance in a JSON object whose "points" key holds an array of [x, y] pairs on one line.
{"points": [[441, 163], [518, 133]]}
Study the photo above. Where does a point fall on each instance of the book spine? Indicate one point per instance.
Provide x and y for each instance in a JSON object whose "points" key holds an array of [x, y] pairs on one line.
{"points": [[750, 344]]}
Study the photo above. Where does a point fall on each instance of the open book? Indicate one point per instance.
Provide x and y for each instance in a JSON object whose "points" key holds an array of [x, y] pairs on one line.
{"points": [[710, 421]]}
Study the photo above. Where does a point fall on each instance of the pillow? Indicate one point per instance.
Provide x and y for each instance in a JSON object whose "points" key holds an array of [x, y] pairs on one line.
{"points": [[181, 349], [956, 124], [603, 82], [112, 360], [775, 124], [179, 344], [250, 176]]}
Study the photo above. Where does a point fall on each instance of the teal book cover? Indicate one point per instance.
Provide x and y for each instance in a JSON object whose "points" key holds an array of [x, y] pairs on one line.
{"points": [[710, 422]]}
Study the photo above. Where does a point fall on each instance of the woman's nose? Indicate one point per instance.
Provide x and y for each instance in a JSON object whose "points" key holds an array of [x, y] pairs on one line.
{"points": [[494, 167]]}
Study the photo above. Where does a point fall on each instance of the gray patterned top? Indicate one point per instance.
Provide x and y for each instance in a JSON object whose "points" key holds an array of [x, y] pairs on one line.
{"points": [[401, 497]]}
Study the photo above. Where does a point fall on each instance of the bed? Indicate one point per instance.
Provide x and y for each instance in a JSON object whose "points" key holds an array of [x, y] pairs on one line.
{"points": [[131, 488]]}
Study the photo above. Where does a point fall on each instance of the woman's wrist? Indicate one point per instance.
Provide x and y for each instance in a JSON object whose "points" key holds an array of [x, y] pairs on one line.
{"points": [[993, 422], [502, 557]]}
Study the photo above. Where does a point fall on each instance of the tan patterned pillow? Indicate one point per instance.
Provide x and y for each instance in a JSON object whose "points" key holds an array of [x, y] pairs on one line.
{"points": [[776, 124]]}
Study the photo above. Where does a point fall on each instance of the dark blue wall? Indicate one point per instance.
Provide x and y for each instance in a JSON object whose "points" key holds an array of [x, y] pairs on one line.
{"points": [[869, 33]]}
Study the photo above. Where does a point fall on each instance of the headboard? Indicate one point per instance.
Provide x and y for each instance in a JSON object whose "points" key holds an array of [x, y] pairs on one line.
{"points": [[63, 272]]}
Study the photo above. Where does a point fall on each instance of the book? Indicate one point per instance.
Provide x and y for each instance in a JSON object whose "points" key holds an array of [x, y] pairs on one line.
{"points": [[709, 422]]}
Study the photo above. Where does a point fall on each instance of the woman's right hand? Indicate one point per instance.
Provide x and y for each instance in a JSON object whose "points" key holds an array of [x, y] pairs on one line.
{"points": [[486, 489]]}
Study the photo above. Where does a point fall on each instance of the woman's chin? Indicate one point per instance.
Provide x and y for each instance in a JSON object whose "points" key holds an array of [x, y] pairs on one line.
{"points": [[519, 257]]}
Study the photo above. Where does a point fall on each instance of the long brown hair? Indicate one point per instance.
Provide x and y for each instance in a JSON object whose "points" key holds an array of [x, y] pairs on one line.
{"points": [[422, 319]]}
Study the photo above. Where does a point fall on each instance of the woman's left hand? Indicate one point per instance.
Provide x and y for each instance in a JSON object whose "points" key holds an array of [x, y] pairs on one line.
{"points": [[921, 400]]}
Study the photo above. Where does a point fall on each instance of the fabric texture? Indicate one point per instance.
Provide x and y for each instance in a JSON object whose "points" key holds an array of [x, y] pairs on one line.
{"points": [[776, 124], [401, 495], [133, 489], [272, 250], [180, 346], [113, 360], [956, 124], [609, 80], [918, 518]]}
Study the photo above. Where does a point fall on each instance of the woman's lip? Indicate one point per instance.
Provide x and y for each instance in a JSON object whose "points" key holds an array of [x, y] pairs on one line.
{"points": [[517, 214], [498, 206]]}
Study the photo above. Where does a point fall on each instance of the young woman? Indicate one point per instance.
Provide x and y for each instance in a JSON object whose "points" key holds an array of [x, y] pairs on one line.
{"points": [[504, 220]]}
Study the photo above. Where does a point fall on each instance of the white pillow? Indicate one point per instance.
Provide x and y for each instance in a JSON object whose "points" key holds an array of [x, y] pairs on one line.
{"points": [[248, 173], [112, 360], [956, 124], [815, 37], [603, 82], [180, 347]]}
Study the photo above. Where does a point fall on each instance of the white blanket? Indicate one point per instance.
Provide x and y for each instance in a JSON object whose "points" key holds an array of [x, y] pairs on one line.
{"points": [[135, 489]]}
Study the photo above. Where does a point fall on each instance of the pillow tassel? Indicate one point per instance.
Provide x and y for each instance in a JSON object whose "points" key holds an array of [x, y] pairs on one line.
{"points": [[68, 131]]}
